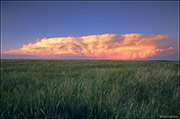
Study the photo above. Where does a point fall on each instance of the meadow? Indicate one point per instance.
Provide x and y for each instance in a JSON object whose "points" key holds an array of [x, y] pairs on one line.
{"points": [[89, 89]]}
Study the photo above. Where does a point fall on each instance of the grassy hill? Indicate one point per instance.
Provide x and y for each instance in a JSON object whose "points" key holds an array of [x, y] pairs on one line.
{"points": [[89, 89]]}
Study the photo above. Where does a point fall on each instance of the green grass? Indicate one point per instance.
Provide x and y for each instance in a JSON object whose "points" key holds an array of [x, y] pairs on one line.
{"points": [[89, 89]]}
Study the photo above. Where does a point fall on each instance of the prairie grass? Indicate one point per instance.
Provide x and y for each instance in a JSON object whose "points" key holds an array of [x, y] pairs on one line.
{"points": [[89, 89]]}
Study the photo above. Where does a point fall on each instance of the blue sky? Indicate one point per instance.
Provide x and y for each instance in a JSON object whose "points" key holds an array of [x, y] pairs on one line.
{"points": [[25, 22]]}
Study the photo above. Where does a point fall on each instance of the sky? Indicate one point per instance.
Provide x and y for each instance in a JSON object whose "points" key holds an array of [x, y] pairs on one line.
{"points": [[90, 30]]}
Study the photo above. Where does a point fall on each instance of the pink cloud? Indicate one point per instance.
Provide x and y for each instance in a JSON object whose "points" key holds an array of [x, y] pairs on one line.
{"points": [[106, 46]]}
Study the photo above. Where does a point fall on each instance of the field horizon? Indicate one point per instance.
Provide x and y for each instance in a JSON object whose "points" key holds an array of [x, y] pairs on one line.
{"points": [[89, 59], [37, 88]]}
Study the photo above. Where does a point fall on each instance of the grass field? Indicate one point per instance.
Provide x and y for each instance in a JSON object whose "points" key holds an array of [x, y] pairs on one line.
{"points": [[89, 89]]}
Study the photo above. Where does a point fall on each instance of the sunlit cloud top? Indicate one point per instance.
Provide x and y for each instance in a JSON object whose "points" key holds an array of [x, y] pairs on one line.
{"points": [[106, 46]]}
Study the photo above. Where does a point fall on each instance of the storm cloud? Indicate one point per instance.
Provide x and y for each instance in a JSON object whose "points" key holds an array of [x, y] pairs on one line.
{"points": [[105, 46]]}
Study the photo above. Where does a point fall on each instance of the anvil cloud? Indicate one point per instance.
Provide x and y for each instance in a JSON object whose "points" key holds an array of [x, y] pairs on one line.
{"points": [[106, 46]]}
